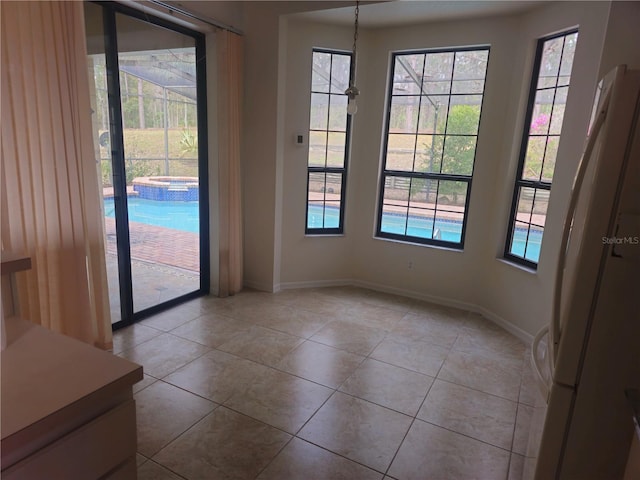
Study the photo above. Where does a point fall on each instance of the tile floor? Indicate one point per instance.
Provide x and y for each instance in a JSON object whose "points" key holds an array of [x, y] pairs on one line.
{"points": [[331, 383]]}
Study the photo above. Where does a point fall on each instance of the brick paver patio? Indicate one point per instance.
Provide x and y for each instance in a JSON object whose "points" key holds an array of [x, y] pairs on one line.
{"points": [[165, 264], [158, 245]]}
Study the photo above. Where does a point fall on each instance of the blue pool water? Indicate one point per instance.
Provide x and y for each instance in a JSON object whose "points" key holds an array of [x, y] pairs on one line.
{"points": [[422, 227], [184, 216], [176, 215]]}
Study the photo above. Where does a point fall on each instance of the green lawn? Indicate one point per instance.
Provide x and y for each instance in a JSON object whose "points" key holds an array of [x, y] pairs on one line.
{"points": [[145, 154]]}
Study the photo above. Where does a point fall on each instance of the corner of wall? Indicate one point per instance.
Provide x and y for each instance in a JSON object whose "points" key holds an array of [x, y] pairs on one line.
{"points": [[280, 134], [213, 128]]}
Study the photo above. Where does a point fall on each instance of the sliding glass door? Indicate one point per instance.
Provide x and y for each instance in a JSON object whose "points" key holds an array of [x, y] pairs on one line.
{"points": [[149, 124]]}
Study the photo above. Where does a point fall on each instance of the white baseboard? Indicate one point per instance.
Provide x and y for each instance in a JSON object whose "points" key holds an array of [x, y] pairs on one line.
{"points": [[448, 302], [317, 284], [412, 294], [527, 338]]}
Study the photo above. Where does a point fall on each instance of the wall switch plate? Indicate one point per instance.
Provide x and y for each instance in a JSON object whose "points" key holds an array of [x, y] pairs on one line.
{"points": [[299, 139]]}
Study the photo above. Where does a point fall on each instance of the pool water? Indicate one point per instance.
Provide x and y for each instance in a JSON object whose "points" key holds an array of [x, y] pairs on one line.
{"points": [[184, 216], [422, 227], [176, 215]]}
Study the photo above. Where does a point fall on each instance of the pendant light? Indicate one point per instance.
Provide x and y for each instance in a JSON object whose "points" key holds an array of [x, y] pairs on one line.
{"points": [[352, 92]]}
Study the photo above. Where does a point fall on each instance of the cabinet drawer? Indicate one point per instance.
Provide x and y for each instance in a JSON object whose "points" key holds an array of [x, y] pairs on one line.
{"points": [[88, 452]]}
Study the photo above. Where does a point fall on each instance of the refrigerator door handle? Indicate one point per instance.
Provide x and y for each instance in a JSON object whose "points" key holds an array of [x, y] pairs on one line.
{"points": [[544, 385], [554, 330]]}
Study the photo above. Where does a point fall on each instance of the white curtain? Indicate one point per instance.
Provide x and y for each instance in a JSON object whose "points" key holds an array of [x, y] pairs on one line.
{"points": [[50, 197], [229, 100]]}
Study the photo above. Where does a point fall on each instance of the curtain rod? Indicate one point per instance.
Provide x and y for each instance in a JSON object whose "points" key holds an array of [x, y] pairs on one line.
{"points": [[181, 11]]}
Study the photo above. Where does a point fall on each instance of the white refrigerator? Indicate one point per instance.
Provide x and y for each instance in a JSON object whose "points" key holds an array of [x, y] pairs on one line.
{"points": [[589, 353]]}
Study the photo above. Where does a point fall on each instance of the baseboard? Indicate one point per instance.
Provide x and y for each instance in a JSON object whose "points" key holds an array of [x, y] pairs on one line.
{"points": [[412, 294], [527, 338], [448, 302], [317, 284]]}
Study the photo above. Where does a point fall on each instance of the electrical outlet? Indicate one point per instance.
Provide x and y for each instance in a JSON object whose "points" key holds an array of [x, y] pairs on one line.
{"points": [[410, 265]]}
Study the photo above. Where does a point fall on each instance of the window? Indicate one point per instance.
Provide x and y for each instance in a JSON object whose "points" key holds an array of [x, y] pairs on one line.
{"points": [[433, 115], [543, 125], [329, 127]]}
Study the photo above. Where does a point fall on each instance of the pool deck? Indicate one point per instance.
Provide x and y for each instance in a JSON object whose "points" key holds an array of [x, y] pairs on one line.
{"points": [[157, 245], [107, 192]]}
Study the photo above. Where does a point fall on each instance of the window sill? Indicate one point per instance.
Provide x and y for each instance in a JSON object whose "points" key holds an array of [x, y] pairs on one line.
{"points": [[323, 235], [415, 244], [517, 265]]}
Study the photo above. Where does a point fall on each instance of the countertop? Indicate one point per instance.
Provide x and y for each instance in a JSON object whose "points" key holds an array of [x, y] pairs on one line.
{"points": [[49, 380]]}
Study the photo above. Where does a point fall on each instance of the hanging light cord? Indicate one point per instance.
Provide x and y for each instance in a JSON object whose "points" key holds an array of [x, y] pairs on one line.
{"points": [[353, 91], [355, 31]]}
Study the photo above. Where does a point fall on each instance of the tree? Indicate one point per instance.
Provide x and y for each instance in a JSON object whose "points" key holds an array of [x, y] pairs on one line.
{"points": [[459, 145], [455, 152]]}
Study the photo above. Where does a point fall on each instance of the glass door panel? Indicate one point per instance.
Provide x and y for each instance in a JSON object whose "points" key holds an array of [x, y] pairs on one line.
{"points": [[101, 141], [157, 70], [146, 118]]}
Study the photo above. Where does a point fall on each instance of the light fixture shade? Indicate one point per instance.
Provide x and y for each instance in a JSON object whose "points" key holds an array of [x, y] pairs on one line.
{"points": [[352, 92], [352, 106]]}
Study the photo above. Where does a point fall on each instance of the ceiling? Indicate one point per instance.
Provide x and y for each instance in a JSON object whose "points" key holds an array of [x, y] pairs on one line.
{"points": [[404, 12]]}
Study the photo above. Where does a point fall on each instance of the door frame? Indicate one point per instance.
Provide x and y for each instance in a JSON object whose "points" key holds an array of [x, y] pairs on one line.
{"points": [[116, 132]]}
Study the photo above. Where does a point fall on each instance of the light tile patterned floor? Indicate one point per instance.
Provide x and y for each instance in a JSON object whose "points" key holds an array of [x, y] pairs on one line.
{"points": [[332, 383]]}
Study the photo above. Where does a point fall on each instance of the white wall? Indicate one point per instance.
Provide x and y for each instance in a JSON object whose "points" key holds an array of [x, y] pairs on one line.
{"points": [[277, 79], [516, 295], [622, 41], [264, 85], [311, 259], [476, 278]]}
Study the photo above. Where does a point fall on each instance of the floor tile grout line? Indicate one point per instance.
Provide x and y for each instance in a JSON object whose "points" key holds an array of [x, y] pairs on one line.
{"points": [[404, 437], [165, 467], [466, 435], [246, 359], [472, 388], [177, 436], [280, 429], [187, 391], [275, 456], [138, 344], [315, 381], [387, 334], [218, 406], [415, 417], [515, 423], [339, 455], [337, 390], [478, 390]]}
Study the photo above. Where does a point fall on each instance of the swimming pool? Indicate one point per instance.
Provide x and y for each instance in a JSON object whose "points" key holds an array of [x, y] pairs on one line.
{"points": [[422, 227], [169, 214], [184, 216]]}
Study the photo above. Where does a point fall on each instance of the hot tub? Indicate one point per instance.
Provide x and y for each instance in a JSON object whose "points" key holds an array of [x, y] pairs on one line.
{"points": [[176, 189]]}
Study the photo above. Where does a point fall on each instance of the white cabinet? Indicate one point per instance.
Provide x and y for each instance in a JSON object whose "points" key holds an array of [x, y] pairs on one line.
{"points": [[67, 408]]}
